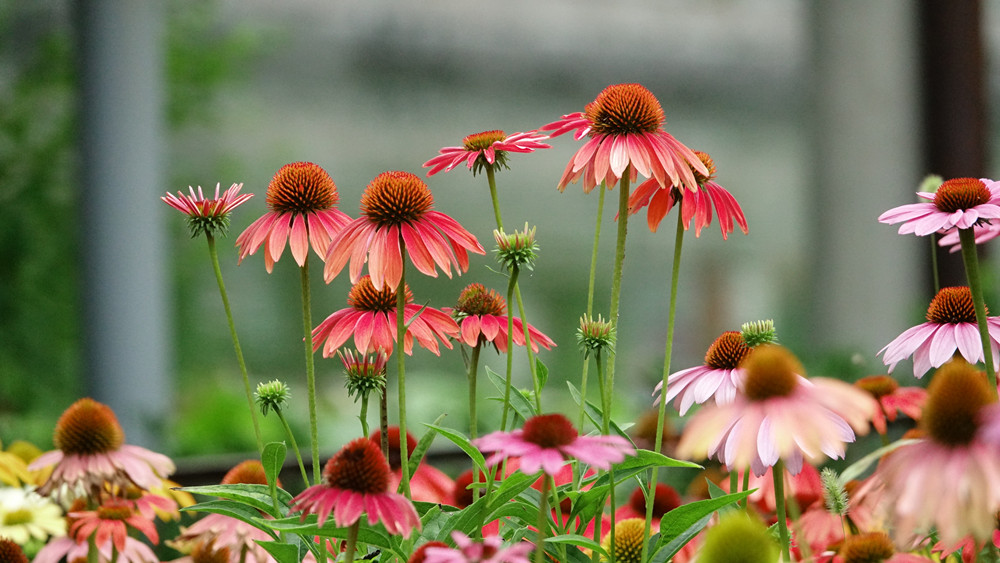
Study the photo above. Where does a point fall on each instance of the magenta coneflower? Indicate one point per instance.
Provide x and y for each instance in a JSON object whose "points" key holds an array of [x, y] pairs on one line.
{"points": [[207, 215], [719, 377], [892, 399], [546, 442], [487, 148], [489, 550], [960, 202], [371, 320], [482, 316], [111, 520], [624, 124], [779, 415], [697, 205], [396, 210], [428, 483], [92, 454], [355, 483], [983, 233], [950, 327], [302, 200], [950, 479]]}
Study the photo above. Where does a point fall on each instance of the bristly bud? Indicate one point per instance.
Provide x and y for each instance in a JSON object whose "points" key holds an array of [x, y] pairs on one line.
{"points": [[834, 492], [739, 536], [517, 249], [595, 336], [930, 183], [759, 332], [271, 395], [364, 373]]}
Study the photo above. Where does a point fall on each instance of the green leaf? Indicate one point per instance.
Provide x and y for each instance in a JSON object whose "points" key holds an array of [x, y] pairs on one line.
{"points": [[273, 458], [680, 520], [641, 461], [663, 554], [518, 401], [462, 442], [858, 467], [594, 412], [257, 496], [281, 551], [425, 442], [366, 534], [542, 373], [233, 509], [579, 541]]}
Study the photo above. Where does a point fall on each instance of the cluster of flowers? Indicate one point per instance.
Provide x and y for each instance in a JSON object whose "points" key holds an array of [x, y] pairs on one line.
{"points": [[542, 489]]}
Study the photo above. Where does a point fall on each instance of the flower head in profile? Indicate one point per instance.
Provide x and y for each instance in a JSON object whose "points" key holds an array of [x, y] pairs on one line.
{"points": [[950, 479], [482, 315], [625, 127], [488, 148], [301, 202], [396, 211], [547, 441], [365, 373], [950, 327], [111, 520], [697, 204], [517, 249], [208, 216], [92, 454], [892, 399], [489, 550], [355, 483], [371, 320], [272, 395], [960, 202], [595, 336], [778, 414]]}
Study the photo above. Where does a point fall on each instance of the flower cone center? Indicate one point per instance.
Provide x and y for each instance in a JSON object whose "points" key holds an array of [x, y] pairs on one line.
{"points": [[205, 552], [301, 187], [727, 352], [395, 198], [878, 385], [483, 141], [771, 371], [549, 430], [250, 472], [871, 547], [709, 164], [665, 500], [364, 297], [624, 108], [477, 300], [359, 466], [961, 193], [88, 427], [629, 537], [952, 305], [114, 510], [11, 552], [955, 396]]}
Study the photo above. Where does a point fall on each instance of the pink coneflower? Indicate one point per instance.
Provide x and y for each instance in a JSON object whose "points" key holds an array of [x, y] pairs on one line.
{"points": [[950, 327], [961, 203], [92, 454], [207, 215], [396, 210], [482, 315], [111, 520], [778, 415], [371, 319], [489, 550], [892, 399], [487, 148], [67, 549], [950, 479], [719, 377], [302, 200], [983, 233], [696, 205], [546, 441], [624, 124], [355, 483]]}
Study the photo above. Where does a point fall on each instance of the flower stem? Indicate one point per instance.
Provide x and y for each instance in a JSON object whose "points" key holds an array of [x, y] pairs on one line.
{"points": [[934, 263], [310, 369], [590, 299], [401, 366], [214, 254], [491, 178], [473, 374], [383, 422], [363, 415], [352, 541], [967, 237], [295, 446], [778, 473], [511, 284], [543, 513], [616, 279]]}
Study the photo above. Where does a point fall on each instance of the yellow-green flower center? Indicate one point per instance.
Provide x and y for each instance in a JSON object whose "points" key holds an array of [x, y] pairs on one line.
{"points": [[629, 537], [483, 141], [624, 108], [395, 197], [301, 187], [88, 427], [17, 517], [955, 397], [961, 193], [771, 371]]}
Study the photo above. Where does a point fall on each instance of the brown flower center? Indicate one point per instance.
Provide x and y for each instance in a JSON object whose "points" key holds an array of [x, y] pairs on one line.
{"points": [[727, 352], [364, 297], [869, 547], [665, 500], [955, 396], [549, 430], [952, 305], [771, 371], [878, 385], [630, 535], [420, 555], [359, 466], [250, 472], [301, 187], [624, 108], [114, 509], [709, 164], [11, 552], [205, 552], [394, 198], [961, 193], [88, 427], [482, 141], [475, 299]]}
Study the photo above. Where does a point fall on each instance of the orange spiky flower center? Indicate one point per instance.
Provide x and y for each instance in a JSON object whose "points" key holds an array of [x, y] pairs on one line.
{"points": [[394, 198], [364, 297], [878, 385], [709, 164], [869, 547], [115, 509], [961, 193], [549, 430], [476, 299], [88, 427], [484, 140], [771, 371], [664, 500], [11, 552], [206, 552], [630, 535], [622, 109], [301, 187], [360, 467], [250, 472], [955, 397], [728, 351], [952, 305]]}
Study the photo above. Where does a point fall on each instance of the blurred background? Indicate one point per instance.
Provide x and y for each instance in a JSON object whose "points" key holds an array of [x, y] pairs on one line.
{"points": [[819, 115]]}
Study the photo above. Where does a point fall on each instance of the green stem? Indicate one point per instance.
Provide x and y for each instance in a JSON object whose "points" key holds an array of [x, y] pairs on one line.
{"points": [[778, 473], [363, 415], [404, 483], [543, 517], [971, 259], [511, 284], [491, 178], [295, 446], [473, 374], [383, 421], [616, 279], [591, 282], [527, 348], [352, 541], [310, 369], [214, 254], [661, 414], [934, 263], [746, 487]]}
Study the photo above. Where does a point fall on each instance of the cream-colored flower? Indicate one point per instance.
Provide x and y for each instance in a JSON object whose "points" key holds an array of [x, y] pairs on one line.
{"points": [[25, 515]]}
